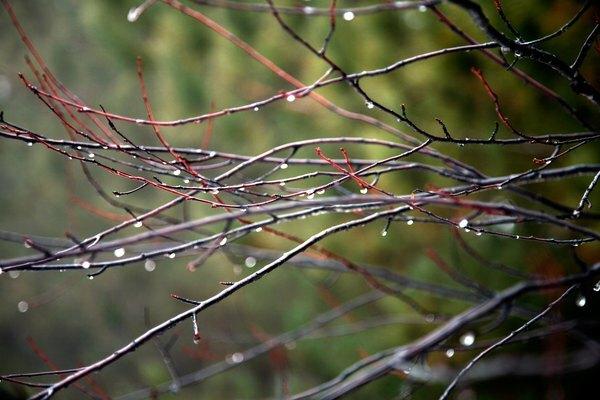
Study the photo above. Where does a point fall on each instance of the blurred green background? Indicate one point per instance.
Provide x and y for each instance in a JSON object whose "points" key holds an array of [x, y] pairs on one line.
{"points": [[91, 47]]}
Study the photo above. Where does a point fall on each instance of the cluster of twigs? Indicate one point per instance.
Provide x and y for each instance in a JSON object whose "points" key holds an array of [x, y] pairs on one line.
{"points": [[248, 202]]}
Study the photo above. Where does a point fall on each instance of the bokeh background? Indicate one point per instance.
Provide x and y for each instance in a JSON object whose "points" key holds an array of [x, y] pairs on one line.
{"points": [[91, 47]]}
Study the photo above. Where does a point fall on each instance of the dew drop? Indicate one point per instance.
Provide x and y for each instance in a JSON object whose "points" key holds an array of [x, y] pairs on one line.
{"points": [[581, 300], [149, 265], [596, 286], [29, 144], [85, 264], [177, 172], [422, 8], [369, 105], [223, 241], [139, 121], [467, 339], [450, 353], [171, 255], [348, 16], [236, 358], [281, 183], [310, 195], [322, 191], [283, 166], [463, 223], [410, 222], [384, 233], [138, 224], [477, 233], [250, 262], [186, 181], [91, 277], [133, 14], [364, 190], [91, 155], [259, 229], [291, 98], [14, 274], [256, 108], [23, 306], [120, 252]]}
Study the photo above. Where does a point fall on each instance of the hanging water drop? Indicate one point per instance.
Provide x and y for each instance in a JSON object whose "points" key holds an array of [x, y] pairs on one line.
{"points": [[256, 108], [29, 144], [322, 191], [138, 224], [85, 264], [23, 306], [177, 172], [283, 166], [348, 16], [223, 241], [422, 8], [259, 229], [463, 223], [291, 98], [364, 190], [410, 222], [369, 105], [91, 155], [384, 233], [171, 255], [133, 14], [581, 300], [596, 286], [149, 265], [467, 339], [250, 262], [120, 252], [450, 353]]}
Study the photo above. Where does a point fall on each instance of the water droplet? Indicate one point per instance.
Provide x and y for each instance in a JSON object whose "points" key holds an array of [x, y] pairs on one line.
{"points": [[467, 339], [139, 121], [78, 147], [91, 155], [14, 274], [236, 358], [133, 14], [596, 286], [576, 213], [91, 277], [23, 306], [84, 109], [348, 16], [450, 353], [322, 191], [463, 223], [422, 8], [477, 233], [212, 153], [384, 233], [250, 262], [171, 255], [177, 172], [223, 241], [138, 224], [256, 108], [309, 10], [291, 98], [186, 181], [120, 252], [364, 190], [149, 265], [517, 237], [410, 222], [369, 105], [283, 166], [85, 264], [29, 144], [259, 229], [310, 195], [581, 300]]}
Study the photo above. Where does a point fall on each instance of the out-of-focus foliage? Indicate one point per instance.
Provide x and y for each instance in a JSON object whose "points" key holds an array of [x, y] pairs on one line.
{"points": [[92, 49]]}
